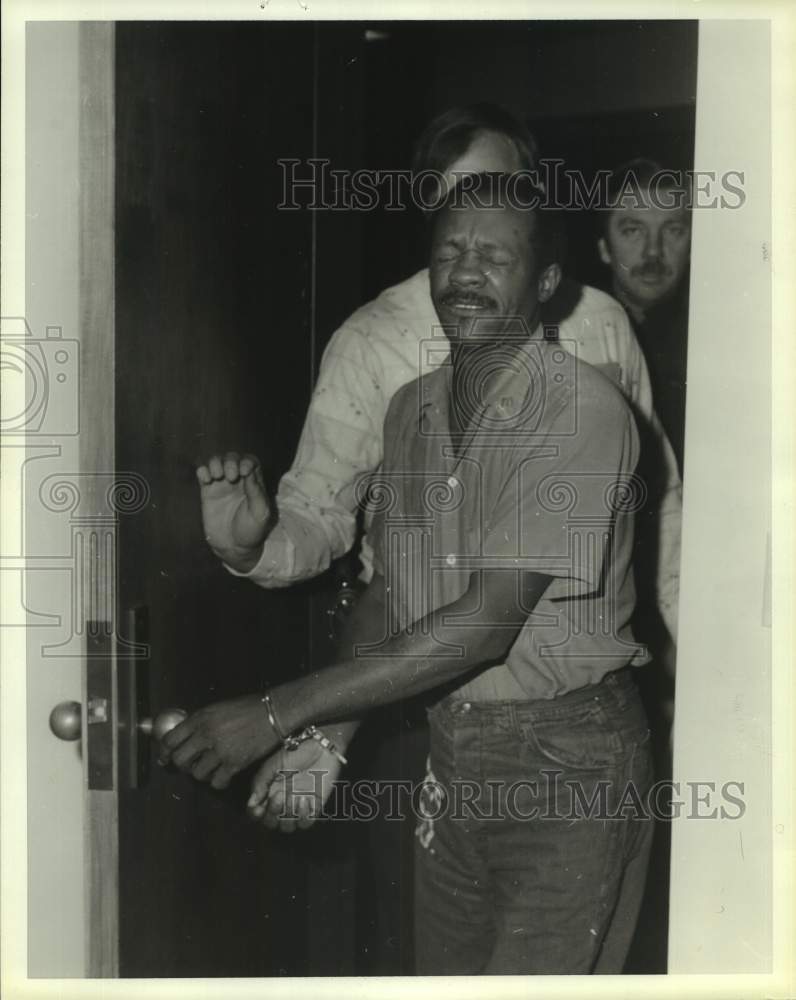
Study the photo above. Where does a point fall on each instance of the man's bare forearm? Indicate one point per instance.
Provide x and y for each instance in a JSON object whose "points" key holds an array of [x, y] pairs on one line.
{"points": [[378, 670], [472, 632]]}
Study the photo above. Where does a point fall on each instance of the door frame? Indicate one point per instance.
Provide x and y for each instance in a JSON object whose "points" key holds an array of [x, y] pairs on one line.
{"points": [[97, 452]]}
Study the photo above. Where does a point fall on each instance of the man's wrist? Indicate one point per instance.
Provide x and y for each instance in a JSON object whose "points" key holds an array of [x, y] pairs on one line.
{"points": [[264, 737], [242, 560], [289, 709], [341, 733]]}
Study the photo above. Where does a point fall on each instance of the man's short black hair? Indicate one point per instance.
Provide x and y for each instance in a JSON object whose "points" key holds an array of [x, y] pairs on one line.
{"points": [[448, 136], [518, 191], [634, 177]]}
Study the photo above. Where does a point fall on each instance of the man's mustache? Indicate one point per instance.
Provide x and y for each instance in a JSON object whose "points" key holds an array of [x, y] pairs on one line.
{"points": [[453, 298], [651, 270]]}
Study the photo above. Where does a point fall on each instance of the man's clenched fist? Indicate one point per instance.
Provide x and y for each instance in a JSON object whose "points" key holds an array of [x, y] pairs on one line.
{"points": [[291, 787], [217, 741], [236, 514]]}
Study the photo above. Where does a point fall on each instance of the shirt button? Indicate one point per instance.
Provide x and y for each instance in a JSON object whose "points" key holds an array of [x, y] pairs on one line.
{"points": [[450, 559]]}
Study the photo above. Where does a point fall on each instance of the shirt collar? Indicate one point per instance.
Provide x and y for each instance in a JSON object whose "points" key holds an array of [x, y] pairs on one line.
{"points": [[506, 393], [436, 387]]}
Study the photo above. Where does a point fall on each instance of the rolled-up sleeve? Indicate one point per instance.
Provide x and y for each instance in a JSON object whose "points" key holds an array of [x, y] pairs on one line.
{"points": [[342, 438]]}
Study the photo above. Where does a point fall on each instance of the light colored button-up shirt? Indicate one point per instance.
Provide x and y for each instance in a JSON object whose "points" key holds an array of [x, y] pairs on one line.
{"points": [[386, 344], [543, 482]]}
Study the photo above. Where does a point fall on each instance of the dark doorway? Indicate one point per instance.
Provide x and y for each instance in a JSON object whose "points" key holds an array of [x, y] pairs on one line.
{"points": [[224, 305]]}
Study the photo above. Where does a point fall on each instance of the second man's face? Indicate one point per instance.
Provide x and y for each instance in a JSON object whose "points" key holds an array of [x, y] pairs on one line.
{"points": [[483, 272], [647, 248]]}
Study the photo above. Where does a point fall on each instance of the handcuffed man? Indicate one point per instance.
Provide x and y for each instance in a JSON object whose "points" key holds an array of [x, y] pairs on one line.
{"points": [[503, 583], [382, 346]]}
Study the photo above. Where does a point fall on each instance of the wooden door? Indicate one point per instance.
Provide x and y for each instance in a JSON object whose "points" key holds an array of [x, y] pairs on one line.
{"points": [[213, 352], [199, 303]]}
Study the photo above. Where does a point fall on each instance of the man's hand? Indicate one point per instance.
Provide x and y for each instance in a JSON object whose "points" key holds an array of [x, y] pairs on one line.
{"points": [[219, 740], [235, 511], [291, 787]]}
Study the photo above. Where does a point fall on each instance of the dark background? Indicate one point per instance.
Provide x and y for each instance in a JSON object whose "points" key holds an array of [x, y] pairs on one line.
{"points": [[224, 305], [595, 94]]}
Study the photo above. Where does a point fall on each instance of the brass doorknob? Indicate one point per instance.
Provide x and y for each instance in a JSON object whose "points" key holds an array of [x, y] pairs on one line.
{"points": [[66, 721], [162, 723]]}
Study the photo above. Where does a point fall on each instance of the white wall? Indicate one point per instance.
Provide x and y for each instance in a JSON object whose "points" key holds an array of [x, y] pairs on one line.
{"points": [[721, 893], [55, 781]]}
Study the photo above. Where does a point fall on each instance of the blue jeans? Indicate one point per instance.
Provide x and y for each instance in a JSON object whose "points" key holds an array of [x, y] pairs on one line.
{"points": [[527, 863]]}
